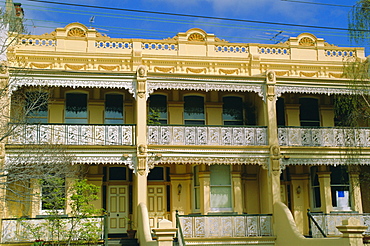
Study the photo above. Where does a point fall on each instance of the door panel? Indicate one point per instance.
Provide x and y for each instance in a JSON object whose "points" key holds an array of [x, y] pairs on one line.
{"points": [[156, 204], [117, 208]]}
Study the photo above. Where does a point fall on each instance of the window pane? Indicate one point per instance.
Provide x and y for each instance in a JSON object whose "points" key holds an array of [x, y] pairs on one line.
{"points": [[220, 175], [280, 112], [156, 173], [309, 112], [220, 181], [232, 111], [220, 197], [194, 109], [36, 107], [117, 173], [158, 105], [76, 108], [113, 109]]}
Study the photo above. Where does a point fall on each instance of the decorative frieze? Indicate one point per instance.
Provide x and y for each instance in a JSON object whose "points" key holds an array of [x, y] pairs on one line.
{"points": [[127, 83], [209, 160], [279, 90], [323, 161]]}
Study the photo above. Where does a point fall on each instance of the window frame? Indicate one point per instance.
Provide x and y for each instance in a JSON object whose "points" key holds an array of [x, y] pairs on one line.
{"points": [[195, 121], [105, 109], [86, 119]]}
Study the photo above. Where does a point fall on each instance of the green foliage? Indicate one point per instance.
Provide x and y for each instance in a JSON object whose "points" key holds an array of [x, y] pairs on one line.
{"points": [[80, 228], [354, 110], [359, 19], [153, 117]]}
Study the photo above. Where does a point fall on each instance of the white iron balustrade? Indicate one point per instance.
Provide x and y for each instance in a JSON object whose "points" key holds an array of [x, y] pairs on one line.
{"points": [[325, 137], [74, 134], [213, 226], [32, 229], [206, 135], [329, 223]]}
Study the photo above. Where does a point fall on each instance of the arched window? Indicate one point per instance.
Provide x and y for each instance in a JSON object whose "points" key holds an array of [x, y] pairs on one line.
{"points": [[194, 110], [76, 108], [158, 109], [309, 112], [232, 110], [113, 112]]}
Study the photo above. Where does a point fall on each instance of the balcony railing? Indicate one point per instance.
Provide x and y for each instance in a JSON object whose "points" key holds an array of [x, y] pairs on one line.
{"points": [[73, 134], [325, 137], [44, 229], [206, 135], [329, 223], [217, 226]]}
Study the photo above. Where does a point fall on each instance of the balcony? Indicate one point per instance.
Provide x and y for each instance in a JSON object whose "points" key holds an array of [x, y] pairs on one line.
{"points": [[73, 134], [222, 229], [329, 222], [324, 137], [206, 135]]}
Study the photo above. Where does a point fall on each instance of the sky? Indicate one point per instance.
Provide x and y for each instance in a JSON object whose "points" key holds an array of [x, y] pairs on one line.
{"points": [[45, 17]]}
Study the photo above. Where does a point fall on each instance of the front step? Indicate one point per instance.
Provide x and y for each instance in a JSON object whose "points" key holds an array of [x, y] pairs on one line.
{"points": [[129, 242]]}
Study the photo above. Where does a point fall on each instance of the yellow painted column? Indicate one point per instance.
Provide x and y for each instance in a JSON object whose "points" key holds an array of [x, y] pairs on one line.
{"points": [[327, 115], [356, 197], [237, 189], [272, 179], [205, 191], [141, 169], [214, 113], [325, 191]]}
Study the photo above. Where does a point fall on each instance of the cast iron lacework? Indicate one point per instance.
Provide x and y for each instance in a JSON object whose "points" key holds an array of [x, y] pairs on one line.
{"points": [[329, 223], [328, 137], [206, 135], [214, 226], [76, 32], [74, 134]]}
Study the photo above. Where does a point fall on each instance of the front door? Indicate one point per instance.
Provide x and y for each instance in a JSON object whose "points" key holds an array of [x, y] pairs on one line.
{"points": [[156, 204], [117, 208]]}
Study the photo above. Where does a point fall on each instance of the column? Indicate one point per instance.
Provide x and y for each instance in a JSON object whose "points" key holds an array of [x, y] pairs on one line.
{"points": [[141, 171], [181, 193], [272, 175], [237, 189], [356, 197], [325, 190], [205, 191]]}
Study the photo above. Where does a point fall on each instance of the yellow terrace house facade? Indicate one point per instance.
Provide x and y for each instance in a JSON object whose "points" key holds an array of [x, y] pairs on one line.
{"points": [[239, 138]]}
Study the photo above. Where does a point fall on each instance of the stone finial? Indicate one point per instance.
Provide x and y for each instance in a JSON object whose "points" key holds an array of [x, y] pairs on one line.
{"points": [[352, 228], [165, 224]]}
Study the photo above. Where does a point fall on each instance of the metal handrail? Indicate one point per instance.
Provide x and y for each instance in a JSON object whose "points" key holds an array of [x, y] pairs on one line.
{"points": [[180, 235], [310, 217]]}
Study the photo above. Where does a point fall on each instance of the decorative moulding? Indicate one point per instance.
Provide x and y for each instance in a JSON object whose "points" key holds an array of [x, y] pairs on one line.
{"points": [[128, 84], [324, 161]]}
